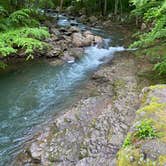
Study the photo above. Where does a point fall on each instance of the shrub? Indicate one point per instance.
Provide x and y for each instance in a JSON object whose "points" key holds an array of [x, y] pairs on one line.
{"points": [[23, 17], [145, 130], [3, 12], [153, 14], [27, 39], [161, 67]]}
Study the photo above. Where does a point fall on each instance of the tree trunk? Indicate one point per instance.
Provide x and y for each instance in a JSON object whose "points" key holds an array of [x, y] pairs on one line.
{"points": [[61, 6], [105, 7], [116, 7]]}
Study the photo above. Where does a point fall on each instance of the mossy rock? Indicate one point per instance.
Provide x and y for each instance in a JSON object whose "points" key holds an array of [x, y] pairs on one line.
{"points": [[149, 149]]}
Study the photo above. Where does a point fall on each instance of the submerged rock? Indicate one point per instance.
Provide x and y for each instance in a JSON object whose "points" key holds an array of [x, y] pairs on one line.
{"points": [[77, 52], [67, 57]]}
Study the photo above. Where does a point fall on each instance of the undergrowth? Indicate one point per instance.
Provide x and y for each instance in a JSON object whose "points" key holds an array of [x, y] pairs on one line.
{"points": [[20, 31], [154, 16], [28, 39], [145, 130]]}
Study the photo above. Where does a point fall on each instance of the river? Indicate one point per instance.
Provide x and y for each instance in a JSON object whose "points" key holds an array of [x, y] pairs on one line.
{"points": [[33, 92]]}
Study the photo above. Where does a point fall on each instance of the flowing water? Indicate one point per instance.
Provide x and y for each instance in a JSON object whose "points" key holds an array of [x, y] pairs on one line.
{"points": [[32, 92]]}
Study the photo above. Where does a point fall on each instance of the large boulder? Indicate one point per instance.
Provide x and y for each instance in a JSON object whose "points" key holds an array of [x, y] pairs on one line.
{"points": [[74, 29], [89, 36], [81, 41], [145, 143], [92, 19], [78, 39], [55, 52], [98, 40]]}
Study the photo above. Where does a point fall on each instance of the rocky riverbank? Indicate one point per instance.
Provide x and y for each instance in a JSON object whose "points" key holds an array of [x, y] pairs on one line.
{"points": [[67, 42], [92, 132]]}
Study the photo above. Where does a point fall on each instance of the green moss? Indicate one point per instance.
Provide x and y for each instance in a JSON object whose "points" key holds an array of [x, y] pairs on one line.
{"points": [[150, 120], [156, 112], [144, 97], [152, 107], [133, 157], [127, 141], [123, 158], [161, 86], [162, 160], [119, 84], [84, 152]]}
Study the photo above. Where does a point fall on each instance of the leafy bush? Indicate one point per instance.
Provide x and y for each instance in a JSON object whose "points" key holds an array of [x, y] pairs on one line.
{"points": [[46, 4], [145, 130], [3, 12], [27, 39], [19, 32], [154, 15], [23, 17], [161, 67], [20, 18]]}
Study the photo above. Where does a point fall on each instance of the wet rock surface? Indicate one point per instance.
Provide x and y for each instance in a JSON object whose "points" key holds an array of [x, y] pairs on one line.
{"points": [[93, 130], [66, 43]]}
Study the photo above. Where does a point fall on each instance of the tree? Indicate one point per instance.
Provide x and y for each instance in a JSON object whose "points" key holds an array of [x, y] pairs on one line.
{"points": [[61, 5]]}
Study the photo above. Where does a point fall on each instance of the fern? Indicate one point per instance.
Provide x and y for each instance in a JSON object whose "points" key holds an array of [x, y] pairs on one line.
{"points": [[27, 39], [161, 67], [29, 44], [154, 14], [38, 33], [23, 17], [3, 12], [4, 51], [25, 34]]}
